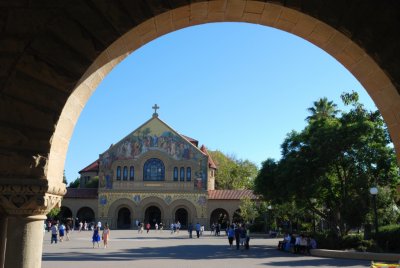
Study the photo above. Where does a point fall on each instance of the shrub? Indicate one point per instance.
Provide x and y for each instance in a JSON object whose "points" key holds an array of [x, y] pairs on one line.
{"points": [[388, 238]]}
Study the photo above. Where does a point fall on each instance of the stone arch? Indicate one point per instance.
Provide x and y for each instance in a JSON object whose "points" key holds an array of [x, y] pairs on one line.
{"points": [[65, 213], [86, 214], [220, 216], [48, 76], [124, 218], [188, 206], [157, 202], [351, 55], [116, 206]]}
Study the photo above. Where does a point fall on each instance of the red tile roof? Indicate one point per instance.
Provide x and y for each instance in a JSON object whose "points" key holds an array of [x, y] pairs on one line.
{"points": [[211, 163], [81, 193], [191, 140], [230, 194], [93, 167]]}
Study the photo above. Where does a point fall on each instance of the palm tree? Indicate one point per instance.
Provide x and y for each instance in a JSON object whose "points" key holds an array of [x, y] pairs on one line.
{"points": [[322, 109]]}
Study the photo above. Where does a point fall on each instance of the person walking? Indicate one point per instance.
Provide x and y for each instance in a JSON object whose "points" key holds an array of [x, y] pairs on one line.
{"points": [[105, 235], [190, 230], [96, 236], [148, 227], [54, 233], [67, 230], [61, 231], [231, 235], [198, 227], [237, 236], [242, 231], [247, 242]]}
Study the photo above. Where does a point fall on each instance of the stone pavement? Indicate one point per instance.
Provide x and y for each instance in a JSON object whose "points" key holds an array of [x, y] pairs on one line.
{"points": [[127, 248]]}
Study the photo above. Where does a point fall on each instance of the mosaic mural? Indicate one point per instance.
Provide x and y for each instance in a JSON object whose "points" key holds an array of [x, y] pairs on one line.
{"points": [[153, 135]]}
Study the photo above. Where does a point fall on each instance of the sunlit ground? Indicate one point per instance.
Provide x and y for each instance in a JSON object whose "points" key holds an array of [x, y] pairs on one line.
{"points": [[127, 248]]}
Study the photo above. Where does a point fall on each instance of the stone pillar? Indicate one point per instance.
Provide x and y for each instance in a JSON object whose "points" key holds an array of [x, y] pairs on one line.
{"points": [[3, 239], [24, 241], [24, 205]]}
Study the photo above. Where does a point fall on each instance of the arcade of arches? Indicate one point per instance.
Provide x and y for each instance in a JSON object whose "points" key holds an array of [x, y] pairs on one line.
{"points": [[54, 54], [153, 175]]}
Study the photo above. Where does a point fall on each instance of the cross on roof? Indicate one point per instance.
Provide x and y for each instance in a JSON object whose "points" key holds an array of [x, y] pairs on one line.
{"points": [[155, 107]]}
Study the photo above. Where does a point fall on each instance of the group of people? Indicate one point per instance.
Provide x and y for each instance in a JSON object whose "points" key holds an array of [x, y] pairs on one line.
{"points": [[216, 229], [198, 228], [58, 231], [104, 236], [297, 244], [240, 234], [141, 226]]}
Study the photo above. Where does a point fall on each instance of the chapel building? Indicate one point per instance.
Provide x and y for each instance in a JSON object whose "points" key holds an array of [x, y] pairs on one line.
{"points": [[153, 175]]}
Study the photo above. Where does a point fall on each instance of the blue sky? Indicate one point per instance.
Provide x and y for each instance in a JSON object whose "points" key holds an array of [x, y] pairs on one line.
{"points": [[235, 87]]}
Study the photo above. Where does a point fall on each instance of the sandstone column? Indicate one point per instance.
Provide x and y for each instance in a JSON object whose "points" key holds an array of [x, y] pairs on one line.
{"points": [[24, 205]]}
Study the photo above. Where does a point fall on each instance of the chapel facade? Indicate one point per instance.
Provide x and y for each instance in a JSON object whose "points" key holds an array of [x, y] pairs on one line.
{"points": [[153, 175]]}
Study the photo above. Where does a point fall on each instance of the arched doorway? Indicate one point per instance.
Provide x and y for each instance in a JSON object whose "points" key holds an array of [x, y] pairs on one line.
{"points": [[181, 215], [152, 215], [85, 214], [220, 216], [124, 218], [65, 214]]}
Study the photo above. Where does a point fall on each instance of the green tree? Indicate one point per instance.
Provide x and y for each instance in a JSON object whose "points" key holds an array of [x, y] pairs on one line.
{"points": [[248, 209], [53, 214], [322, 109], [75, 183], [93, 183], [334, 160], [233, 173]]}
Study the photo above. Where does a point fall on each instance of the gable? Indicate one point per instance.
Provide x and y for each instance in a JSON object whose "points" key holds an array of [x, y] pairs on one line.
{"points": [[153, 135]]}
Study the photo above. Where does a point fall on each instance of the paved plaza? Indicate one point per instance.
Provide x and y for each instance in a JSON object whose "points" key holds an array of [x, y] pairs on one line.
{"points": [[127, 248]]}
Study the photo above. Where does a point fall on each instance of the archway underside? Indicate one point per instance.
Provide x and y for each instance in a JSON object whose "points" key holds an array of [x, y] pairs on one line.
{"points": [[49, 75]]}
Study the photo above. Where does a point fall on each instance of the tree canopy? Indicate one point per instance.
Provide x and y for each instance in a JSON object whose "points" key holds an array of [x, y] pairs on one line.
{"points": [[330, 165], [233, 173]]}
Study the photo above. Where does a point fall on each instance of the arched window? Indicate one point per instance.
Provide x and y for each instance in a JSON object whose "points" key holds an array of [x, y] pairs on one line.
{"points": [[188, 174], [153, 170], [182, 177], [175, 174], [125, 175], [118, 173], [131, 173]]}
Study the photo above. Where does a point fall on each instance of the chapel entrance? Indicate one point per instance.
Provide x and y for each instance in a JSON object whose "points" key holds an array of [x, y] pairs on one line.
{"points": [[181, 215], [152, 215], [124, 219]]}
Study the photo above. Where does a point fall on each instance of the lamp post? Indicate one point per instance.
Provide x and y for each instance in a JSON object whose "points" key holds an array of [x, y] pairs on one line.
{"points": [[269, 217], [374, 191], [313, 202]]}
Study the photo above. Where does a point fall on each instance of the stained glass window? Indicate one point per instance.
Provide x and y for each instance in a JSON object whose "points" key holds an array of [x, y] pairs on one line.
{"points": [[153, 170], [182, 177], [125, 176], [131, 173], [175, 174], [188, 174], [119, 173]]}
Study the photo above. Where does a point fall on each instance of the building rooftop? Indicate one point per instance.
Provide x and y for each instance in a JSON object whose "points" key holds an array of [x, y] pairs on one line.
{"points": [[88, 193], [93, 167], [230, 194]]}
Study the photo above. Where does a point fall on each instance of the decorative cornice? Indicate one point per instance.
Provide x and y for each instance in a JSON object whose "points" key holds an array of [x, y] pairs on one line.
{"points": [[30, 196]]}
